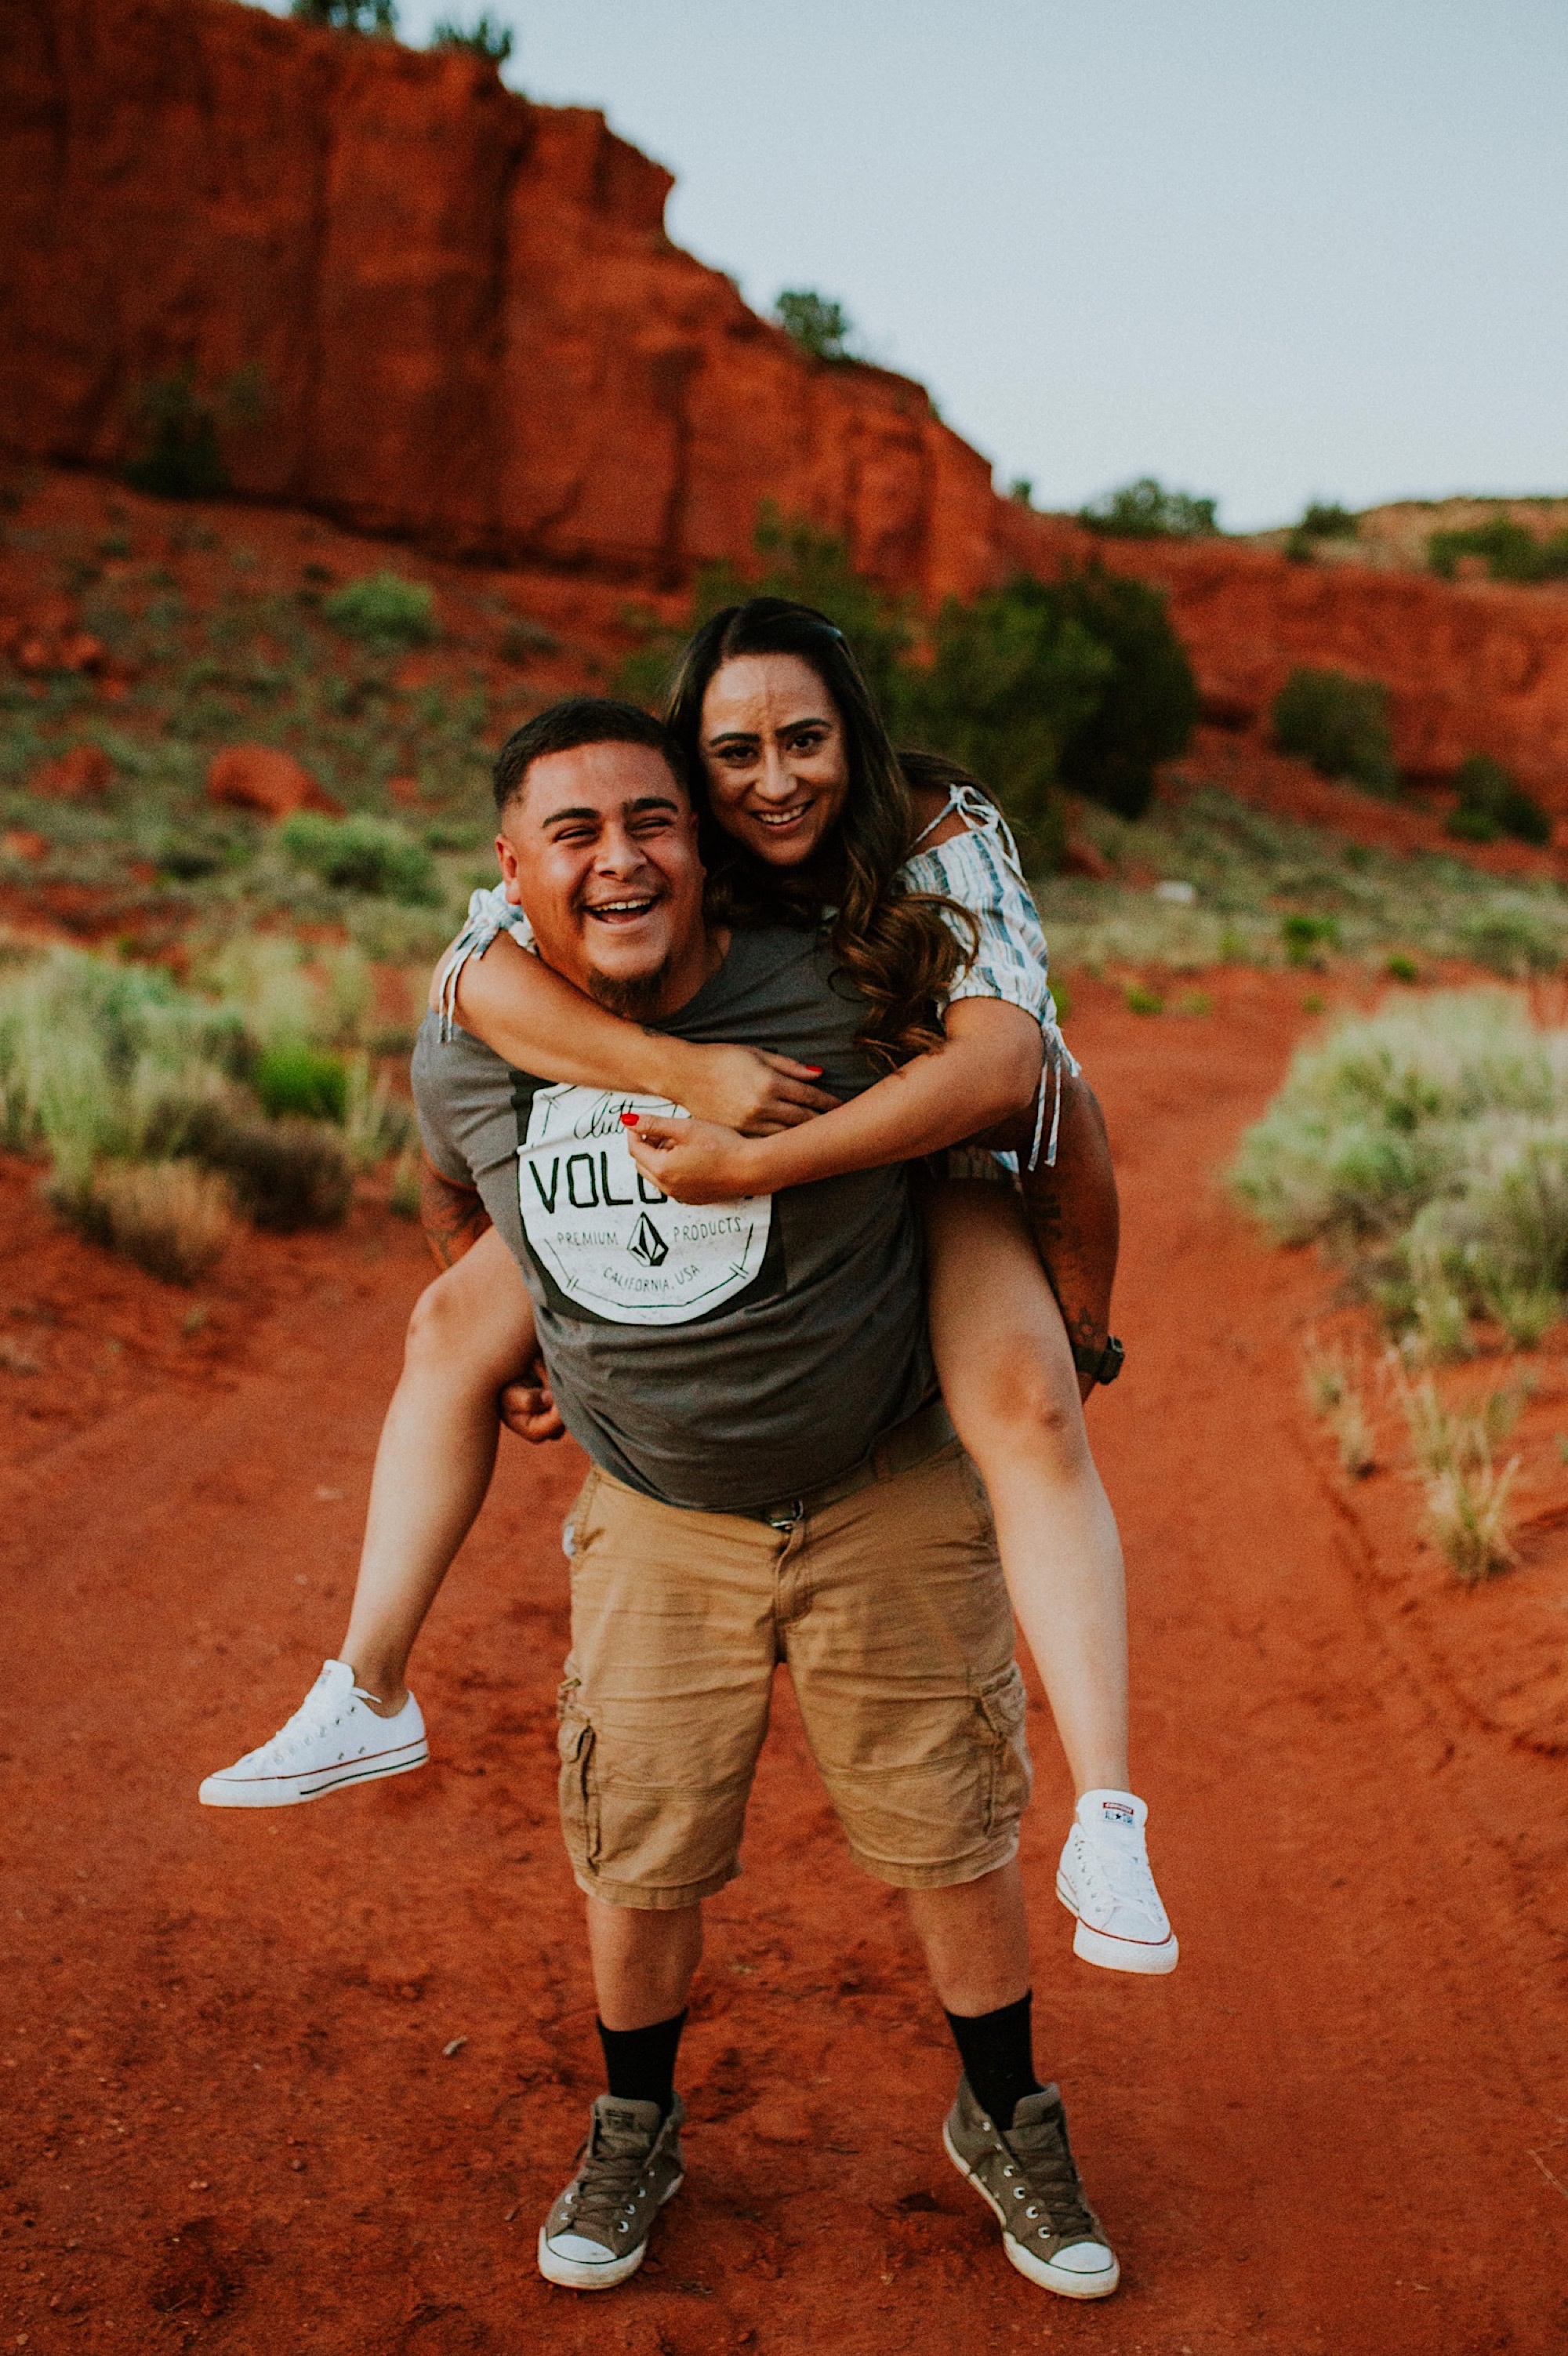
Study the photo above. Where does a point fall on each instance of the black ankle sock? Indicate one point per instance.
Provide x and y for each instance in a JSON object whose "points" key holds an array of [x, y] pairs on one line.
{"points": [[997, 2052], [640, 2063]]}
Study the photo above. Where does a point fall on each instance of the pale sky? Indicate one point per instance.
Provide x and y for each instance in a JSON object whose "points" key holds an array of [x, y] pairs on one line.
{"points": [[1270, 249]]}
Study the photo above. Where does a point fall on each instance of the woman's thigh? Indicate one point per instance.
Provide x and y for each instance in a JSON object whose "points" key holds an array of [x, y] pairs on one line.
{"points": [[997, 1335]]}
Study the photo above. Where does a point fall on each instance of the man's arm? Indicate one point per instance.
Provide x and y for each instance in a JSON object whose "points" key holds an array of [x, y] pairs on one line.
{"points": [[452, 1214], [1076, 1219]]}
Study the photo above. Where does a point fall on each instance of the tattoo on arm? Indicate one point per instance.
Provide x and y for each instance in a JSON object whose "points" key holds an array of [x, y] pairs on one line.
{"points": [[1085, 1330], [453, 1216]]}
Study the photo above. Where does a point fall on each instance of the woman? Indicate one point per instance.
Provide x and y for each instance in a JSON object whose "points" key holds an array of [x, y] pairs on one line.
{"points": [[805, 808]]}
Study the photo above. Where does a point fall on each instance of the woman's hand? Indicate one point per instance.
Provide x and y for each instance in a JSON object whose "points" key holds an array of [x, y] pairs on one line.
{"points": [[694, 1160], [748, 1089]]}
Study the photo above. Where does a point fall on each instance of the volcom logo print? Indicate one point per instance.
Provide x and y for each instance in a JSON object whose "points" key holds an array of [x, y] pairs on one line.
{"points": [[610, 1241], [648, 1244]]}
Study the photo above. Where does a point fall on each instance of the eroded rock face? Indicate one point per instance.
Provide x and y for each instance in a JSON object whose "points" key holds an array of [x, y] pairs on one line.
{"points": [[466, 325], [462, 311]]}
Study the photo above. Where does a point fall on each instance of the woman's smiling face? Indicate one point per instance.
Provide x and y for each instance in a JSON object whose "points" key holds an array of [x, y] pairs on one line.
{"points": [[774, 756]]}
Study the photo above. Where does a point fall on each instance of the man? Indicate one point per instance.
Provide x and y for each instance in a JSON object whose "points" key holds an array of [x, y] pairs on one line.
{"points": [[773, 1479]]}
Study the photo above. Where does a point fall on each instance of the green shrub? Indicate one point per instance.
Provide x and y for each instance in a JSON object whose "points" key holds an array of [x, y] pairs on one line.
{"points": [[1493, 802], [1144, 509], [1305, 937], [347, 15], [1327, 520], [383, 610], [1338, 723], [1148, 704], [819, 326], [298, 1080], [1321, 519], [482, 38], [362, 854], [1013, 676], [179, 458], [1511, 551], [286, 1174]]}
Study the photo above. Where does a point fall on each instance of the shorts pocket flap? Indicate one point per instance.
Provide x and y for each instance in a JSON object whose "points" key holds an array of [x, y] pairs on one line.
{"points": [[571, 1735], [1006, 1703]]}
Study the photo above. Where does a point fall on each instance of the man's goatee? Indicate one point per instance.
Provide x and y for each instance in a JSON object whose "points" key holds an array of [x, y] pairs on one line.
{"points": [[636, 997]]}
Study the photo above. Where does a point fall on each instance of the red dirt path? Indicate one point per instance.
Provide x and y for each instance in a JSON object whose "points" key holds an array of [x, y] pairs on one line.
{"points": [[1338, 2127]]}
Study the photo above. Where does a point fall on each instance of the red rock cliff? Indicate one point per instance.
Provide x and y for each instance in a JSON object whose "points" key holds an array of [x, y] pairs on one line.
{"points": [[469, 322], [472, 329]]}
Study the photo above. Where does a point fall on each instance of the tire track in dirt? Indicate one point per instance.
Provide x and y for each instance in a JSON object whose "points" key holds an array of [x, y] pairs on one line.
{"points": [[232, 2120]]}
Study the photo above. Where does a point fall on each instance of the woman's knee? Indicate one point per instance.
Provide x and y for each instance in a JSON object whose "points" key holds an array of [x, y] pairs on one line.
{"points": [[1026, 1399], [452, 1334], [436, 1325]]}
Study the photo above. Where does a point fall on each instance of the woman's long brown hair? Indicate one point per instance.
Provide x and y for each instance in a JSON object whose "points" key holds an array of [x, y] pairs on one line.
{"points": [[895, 946]]}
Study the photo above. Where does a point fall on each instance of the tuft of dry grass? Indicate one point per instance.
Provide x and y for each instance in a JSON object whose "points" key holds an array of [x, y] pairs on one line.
{"points": [[1335, 1394], [1466, 1494], [173, 1219], [1468, 1511]]}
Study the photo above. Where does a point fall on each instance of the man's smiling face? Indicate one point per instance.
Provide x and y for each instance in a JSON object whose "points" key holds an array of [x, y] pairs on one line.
{"points": [[599, 846]]}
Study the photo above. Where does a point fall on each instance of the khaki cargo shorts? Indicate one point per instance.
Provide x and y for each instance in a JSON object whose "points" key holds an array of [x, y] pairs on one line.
{"points": [[887, 1607]]}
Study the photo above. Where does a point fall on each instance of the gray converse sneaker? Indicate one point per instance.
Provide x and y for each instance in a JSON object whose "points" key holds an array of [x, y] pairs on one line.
{"points": [[1048, 2230], [597, 2235]]}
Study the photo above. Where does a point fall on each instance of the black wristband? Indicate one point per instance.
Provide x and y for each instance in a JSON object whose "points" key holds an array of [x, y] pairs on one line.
{"points": [[1104, 1365]]}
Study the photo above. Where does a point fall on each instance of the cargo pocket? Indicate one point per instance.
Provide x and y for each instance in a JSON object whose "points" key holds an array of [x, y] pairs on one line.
{"points": [[1003, 1705], [578, 1788]]}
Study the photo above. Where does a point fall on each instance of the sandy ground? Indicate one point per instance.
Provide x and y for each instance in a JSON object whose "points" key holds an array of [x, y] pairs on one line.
{"points": [[233, 2119]]}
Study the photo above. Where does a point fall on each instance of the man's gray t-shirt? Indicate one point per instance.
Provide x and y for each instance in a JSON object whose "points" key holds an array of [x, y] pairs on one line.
{"points": [[720, 1357]]}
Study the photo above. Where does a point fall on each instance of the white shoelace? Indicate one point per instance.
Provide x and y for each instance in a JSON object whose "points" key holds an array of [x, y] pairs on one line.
{"points": [[308, 1722]]}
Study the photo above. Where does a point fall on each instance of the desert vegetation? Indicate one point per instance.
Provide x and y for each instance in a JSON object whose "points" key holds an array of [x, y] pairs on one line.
{"points": [[821, 326], [1260, 889], [1427, 1149], [1508, 549], [1146, 510], [1492, 802], [163, 1112], [1466, 1494], [1338, 723]]}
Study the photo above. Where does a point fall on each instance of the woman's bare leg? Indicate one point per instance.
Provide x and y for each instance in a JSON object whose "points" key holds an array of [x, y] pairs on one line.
{"points": [[1007, 1375], [470, 1333]]}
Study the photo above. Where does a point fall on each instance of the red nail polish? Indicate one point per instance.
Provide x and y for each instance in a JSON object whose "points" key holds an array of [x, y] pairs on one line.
{"points": [[816, 1070], [630, 1120]]}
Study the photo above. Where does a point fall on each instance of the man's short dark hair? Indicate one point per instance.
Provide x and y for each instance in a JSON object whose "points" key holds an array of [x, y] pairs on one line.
{"points": [[580, 720]]}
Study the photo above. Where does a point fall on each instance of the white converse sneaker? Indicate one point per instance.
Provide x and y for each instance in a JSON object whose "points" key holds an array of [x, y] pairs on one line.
{"points": [[332, 1739], [1104, 1879]]}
